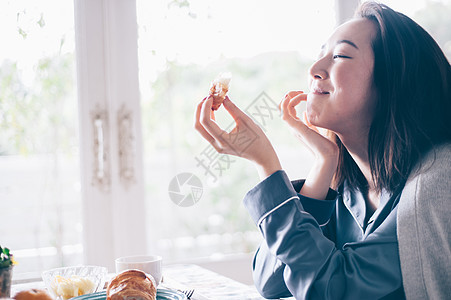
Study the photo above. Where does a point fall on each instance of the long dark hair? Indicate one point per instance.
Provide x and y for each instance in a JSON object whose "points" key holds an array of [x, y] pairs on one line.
{"points": [[412, 78]]}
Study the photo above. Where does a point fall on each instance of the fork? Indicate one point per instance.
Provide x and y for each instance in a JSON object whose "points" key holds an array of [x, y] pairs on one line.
{"points": [[188, 293]]}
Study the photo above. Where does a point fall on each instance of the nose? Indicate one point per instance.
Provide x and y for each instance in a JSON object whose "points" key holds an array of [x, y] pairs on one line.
{"points": [[318, 70]]}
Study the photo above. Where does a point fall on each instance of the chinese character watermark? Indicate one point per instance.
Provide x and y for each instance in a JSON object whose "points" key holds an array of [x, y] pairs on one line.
{"points": [[213, 164], [262, 109]]}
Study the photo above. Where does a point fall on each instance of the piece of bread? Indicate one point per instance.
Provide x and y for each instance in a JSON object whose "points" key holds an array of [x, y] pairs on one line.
{"points": [[219, 88], [73, 286], [33, 294], [132, 284]]}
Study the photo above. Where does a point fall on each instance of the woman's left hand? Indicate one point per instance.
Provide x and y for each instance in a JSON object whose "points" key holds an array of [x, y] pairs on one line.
{"points": [[246, 139], [326, 152]]}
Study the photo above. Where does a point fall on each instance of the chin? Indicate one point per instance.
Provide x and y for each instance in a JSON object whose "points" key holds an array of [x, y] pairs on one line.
{"points": [[315, 121], [312, 117]]}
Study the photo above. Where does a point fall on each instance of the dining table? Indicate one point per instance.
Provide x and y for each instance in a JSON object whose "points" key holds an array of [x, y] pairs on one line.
{"points": [[207, 284]]}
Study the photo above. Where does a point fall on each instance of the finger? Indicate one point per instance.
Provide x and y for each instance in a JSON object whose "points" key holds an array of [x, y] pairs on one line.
{"points": [[289, 95], [290, 103], [198, 126], [211, 127], [284, 108], [237, 114], [212, 115], [291, 118], [287, 110], [294, 102], [197, 115], [298, 99], [292, 111], [293, 94]]}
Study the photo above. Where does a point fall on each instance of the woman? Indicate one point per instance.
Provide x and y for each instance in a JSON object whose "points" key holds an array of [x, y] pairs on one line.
{"points": [[370, 220]]}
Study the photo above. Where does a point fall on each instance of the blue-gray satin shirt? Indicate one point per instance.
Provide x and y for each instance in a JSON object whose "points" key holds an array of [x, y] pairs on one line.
{"points": [[323, 249]]}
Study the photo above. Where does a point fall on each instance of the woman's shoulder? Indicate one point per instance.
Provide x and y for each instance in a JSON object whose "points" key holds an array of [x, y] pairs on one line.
{"points": [[434, 166], [429, 184]]}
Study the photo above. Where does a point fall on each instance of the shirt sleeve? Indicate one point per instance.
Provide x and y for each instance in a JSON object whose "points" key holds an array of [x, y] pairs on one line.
{"points": [[296, 257], [321, 210]]}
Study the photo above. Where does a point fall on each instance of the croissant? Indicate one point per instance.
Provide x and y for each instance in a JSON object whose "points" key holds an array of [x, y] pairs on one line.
{"points": [[219, 88], [132, 285]]}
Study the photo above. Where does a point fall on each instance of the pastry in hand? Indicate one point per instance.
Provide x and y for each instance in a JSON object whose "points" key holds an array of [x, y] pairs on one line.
{"points": [[219, 88], [132, 284], [33, 294]]}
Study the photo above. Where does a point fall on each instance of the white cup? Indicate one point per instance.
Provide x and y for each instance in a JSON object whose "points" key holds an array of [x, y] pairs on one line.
{"points": [[150, 264]]}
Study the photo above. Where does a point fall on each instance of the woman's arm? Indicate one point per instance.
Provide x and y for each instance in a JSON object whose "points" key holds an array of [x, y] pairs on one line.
{"points": [[424, 228], [307, 262], [268, 269]]}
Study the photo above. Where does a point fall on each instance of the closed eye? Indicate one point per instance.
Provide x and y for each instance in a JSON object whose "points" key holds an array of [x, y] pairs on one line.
{"points": [[340, 56]]}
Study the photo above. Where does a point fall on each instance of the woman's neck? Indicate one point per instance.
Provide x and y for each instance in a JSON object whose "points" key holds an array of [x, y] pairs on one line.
{"points": [[358, 150]]}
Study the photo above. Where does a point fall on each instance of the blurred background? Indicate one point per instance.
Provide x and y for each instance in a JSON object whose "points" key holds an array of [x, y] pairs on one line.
{"points": [[182, 45]]}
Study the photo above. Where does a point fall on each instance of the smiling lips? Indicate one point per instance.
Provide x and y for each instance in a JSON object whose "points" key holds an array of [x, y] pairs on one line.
{"points": [[318, 91]]}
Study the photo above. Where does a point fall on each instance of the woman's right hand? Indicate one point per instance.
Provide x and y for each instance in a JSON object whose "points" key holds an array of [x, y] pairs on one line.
{"points": [[325, 151], [246, 139]]}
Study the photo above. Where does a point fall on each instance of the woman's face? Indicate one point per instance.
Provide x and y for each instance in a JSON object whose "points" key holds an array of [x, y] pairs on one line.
{"points": [[342, 97]]}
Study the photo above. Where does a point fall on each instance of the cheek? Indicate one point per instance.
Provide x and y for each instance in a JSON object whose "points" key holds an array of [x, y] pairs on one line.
{"points": [[352, 87], [355, 103]]}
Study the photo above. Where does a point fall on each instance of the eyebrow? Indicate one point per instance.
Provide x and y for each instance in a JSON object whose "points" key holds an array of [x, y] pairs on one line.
{"points": [[347, 42], [342, 42]]}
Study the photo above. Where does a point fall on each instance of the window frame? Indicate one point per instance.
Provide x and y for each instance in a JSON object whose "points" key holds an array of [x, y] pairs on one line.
{"points": [[110, 130]]}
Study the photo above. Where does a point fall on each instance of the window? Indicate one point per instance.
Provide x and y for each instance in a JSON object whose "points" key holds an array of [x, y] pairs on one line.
{"points": [[39, 165]]}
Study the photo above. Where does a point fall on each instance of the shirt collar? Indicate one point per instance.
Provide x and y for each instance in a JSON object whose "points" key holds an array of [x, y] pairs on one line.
{"points": [[354, 201]]}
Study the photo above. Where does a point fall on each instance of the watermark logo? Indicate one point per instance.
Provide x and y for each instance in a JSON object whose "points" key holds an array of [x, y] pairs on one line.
{"points": [[185, 189]]}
